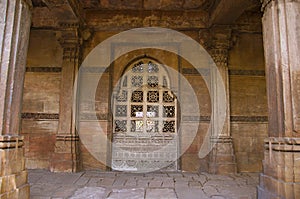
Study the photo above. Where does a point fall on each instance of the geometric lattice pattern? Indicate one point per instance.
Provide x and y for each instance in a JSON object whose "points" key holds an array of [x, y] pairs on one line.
{"points": [[122, 97], [137, 126], [137, 96], [120, 126], [135, 110], [152, 111], [167, 97], [152, 68], [153, 81], [152, 126], [137, 81], [168, 111], [138, 67], [168, 127], [153, 96], [121, 111]]}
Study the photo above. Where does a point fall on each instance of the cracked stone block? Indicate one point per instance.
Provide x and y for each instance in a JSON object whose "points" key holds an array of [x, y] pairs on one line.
{"points": [[159, 193], [127, 194], [195, 184], [210, 190], [190, 193], [155, 183], [43, 189], [65, 191], [89, 192]]}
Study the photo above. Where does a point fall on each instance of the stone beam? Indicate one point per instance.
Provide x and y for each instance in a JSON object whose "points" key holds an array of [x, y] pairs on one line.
{"points": [[57, 12], [228, 11], [77, 11], [124, 20]]}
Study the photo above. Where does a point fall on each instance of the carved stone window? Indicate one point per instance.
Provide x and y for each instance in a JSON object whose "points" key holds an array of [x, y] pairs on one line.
{"points": [[145, 115]]}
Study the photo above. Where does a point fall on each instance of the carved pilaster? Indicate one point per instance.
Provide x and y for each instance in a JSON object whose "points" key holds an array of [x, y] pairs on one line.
{"points": [[15, 19], [281, 170], [218, 42], [67, 156]]}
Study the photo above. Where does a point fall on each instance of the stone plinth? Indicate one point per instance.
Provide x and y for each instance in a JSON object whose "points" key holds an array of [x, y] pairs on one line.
{"points": [[281, 176], [222, 158], [66, 154], [13, 180]]}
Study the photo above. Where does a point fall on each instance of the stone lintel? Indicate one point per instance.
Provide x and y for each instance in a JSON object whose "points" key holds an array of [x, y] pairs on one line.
{"points": [[123, 20]]}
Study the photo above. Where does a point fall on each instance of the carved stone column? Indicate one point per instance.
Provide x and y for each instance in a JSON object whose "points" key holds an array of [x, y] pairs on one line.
{"points": [[66, 157], [221, 158], [281, 164], [15, 19]]}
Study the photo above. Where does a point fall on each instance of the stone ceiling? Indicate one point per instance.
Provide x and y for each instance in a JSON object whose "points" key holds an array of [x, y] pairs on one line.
{"points": [[166, 13]]}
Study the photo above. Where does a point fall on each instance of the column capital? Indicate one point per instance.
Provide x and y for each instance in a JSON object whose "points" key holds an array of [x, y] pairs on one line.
{"points": [[217, 41], [70, 39]]}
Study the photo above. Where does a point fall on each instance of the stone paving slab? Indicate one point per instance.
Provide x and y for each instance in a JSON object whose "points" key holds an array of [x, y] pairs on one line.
{"points": [[89, 192], [127, 193], [155, 185], [165, 193]]}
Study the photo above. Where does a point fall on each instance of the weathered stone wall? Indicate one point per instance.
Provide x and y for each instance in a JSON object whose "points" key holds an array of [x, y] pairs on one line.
{"points": [[248, 101], [40, 111], [42, 89]]}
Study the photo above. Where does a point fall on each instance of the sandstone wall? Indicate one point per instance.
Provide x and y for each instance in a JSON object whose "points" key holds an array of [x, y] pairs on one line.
{"points": [[248, 101], [41, 98], [41, 101]]}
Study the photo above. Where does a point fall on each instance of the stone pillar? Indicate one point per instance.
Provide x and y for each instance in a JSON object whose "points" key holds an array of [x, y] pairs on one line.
{"points": [[281, 164], [15, 19], [66, 157], [221, 158]]}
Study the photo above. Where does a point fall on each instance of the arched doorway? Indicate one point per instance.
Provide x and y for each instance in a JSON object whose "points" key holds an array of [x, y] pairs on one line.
{"points": [[145, 119]]}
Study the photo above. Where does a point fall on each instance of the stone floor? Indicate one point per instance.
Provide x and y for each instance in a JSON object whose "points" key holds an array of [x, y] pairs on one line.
{"points": [[114, 185]]}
